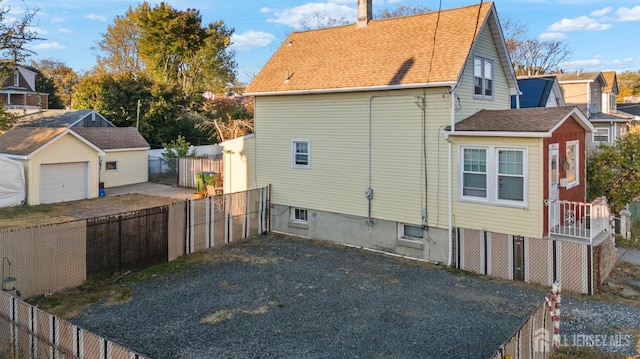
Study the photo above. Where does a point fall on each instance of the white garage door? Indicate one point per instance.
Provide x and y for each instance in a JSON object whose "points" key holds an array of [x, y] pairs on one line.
{"points": [[62, 182]]}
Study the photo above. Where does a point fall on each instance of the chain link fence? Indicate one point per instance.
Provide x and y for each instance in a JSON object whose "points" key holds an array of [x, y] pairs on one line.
{"points": [[28, 332]]}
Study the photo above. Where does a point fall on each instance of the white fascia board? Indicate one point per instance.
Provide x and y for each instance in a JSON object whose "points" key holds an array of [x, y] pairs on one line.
{"points": [[353, 89], [497, 134]]}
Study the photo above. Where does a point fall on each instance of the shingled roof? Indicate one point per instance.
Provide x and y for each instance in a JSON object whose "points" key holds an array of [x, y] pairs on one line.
{"points": [[386, 53], [55, 118], [113, 138], [541, 120], [25, 141], [580, 77]]}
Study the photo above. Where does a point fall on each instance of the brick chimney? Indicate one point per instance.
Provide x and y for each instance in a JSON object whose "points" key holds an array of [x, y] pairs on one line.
{"points": [[365, 12]]}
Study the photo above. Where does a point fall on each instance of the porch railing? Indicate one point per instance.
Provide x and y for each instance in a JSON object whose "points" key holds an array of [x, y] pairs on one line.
{"points": [[579, 220]]}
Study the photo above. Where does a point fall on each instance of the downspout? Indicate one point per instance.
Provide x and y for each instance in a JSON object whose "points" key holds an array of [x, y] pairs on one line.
{"points": [[449, 186], [588, 99], [369, 192]]}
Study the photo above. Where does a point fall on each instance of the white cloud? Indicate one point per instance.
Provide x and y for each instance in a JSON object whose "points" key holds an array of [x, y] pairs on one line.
{"points": [[250, 39], [96, 17], [602, 12], [37, 30], [65, 31], [579, 23], [57, 19], [626, 14], [545, 36], [266, 10], [47, 46], [294, 16]]}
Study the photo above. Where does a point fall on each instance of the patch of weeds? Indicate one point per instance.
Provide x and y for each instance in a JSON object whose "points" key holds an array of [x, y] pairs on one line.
{"points": [[571, 352], [69, 303], [225, 314], [25, 210]]}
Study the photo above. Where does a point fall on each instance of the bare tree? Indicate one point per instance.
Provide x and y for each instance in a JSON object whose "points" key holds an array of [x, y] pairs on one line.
{"points": [[532, 56], [402, 10], [321, 20], [15, 34]]}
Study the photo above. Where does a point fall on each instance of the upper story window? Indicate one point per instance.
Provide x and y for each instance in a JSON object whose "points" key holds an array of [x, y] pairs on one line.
{"points": [[482, 77], [16, 78], [496, 175], [571, 165], [300, 154]]}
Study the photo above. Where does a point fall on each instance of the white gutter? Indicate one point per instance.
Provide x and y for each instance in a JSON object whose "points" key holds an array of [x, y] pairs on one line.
{"points": [[353, 89], [498, 134]]}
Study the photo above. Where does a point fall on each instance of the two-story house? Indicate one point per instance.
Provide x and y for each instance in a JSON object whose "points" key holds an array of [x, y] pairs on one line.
{"points": [[595, 94], [397, 135], [19, 89]]}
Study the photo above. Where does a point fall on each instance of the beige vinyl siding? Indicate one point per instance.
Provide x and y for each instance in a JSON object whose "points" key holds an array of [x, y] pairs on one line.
{"points": [[337, 127], [132, 167], [575, 94], [239, 164], [500, 219], [467, 104], [66, 149]]}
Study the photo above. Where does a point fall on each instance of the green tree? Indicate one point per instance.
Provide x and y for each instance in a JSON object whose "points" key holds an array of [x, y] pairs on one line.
{"points": [[614, 171], [119, 49], [7, 119], [56, 79], [177, 148]]}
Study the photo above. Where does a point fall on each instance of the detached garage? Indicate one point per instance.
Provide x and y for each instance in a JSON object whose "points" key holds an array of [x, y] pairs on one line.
{"points": [[59, 164]]}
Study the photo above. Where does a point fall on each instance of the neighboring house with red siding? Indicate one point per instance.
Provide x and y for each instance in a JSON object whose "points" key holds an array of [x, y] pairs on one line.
{"points": [[19, 90]]}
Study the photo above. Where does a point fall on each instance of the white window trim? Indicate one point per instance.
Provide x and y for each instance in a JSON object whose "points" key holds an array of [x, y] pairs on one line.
{"points": [[293, 218], [293, 153], [16, 79], [594, 134], [492, 176], [493, 81], [577, 164], [110, 169]]}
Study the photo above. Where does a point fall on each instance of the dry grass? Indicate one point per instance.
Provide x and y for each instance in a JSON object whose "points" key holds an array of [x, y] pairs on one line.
{"points": [[585, 353], [24, 216], [69, 303], [222, 315]]}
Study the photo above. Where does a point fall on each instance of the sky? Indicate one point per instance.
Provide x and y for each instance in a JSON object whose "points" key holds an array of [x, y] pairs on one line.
{"points": [[603, 35]]}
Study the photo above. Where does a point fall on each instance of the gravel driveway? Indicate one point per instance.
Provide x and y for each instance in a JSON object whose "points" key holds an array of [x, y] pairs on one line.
{"points": [[280, 297]]}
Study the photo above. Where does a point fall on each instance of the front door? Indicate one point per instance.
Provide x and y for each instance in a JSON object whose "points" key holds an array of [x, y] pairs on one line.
{"points": [[554, 179]]}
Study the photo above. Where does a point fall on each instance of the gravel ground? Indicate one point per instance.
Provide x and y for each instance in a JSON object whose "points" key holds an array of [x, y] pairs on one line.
{"points": [[281, 297]]}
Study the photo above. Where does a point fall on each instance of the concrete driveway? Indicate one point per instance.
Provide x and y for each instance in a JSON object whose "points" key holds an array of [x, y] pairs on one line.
{"points": [[153, 189]]}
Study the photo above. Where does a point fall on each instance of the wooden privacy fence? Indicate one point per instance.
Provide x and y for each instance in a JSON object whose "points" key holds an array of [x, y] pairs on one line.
{"points": [[213, 221], [28, 332], [188, 167]]}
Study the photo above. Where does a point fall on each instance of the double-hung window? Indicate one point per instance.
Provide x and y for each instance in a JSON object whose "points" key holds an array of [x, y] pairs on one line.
{"points": [[571, 165], [493, 175], [474, 172], [482, 77], [300, 154], [601, 135]]}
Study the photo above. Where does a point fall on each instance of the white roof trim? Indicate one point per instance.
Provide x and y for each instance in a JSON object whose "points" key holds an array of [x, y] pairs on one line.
{"points": [[127, 149], [497, 134], [354, 89]]}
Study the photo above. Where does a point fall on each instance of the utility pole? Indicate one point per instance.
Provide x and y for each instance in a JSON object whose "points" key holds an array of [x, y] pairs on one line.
{"points": [[138, 117]]}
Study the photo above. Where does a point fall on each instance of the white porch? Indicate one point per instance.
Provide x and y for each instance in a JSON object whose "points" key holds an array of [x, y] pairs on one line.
{"points": [[590, 222]]}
